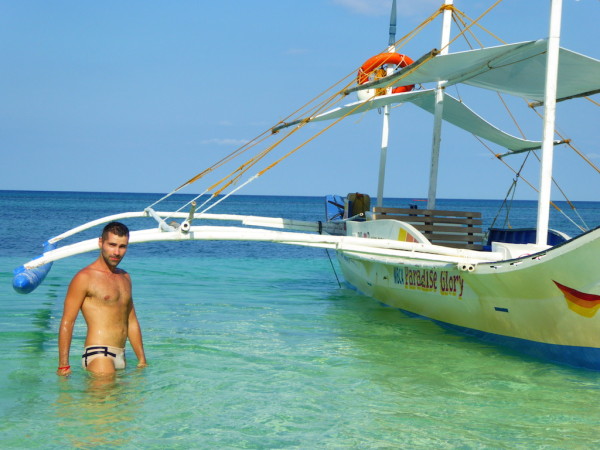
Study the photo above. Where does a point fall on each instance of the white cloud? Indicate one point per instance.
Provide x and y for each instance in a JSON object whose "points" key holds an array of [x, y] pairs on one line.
{"points": [[224, 141]]}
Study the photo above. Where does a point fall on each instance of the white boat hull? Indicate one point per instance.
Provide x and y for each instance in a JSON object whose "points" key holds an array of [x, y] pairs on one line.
{"points": [[514, 302]]}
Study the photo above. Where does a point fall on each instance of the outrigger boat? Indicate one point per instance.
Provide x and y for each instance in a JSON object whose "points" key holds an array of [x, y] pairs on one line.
{"points": [[535, 290]]}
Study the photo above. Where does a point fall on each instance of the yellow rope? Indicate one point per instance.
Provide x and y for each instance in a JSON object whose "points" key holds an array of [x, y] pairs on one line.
{"points": [[515, 171], [459, 18], [234, 176], [592, 100], [328, 100], [242, 169], [569, 143], [476, 21], [253, 161], [262, 137]]}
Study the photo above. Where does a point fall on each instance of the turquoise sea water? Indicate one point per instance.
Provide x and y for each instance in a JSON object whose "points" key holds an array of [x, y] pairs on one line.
{"points": [[257, 346]]}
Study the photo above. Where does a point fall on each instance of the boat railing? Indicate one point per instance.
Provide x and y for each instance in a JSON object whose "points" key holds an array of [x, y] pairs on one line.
{"points": [[524, 236], [456, 229]]}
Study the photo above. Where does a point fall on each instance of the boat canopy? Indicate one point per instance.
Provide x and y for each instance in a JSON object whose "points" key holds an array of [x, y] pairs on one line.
{"points": [[517, 69], [454, 112]]}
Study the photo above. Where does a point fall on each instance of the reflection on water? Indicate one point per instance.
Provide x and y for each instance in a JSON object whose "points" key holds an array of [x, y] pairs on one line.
{"points": [[97, 411], [42, 322]]}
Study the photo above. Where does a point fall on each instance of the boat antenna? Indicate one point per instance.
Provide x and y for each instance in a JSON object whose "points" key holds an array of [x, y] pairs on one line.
{"points": [[392, 40]]}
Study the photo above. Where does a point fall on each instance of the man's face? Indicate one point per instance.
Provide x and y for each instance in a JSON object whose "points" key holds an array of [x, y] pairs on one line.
{"points": [[113, 249]]}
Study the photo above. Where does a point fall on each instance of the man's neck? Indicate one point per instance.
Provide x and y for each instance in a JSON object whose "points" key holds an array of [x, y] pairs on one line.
{"points": [[103, 266]]}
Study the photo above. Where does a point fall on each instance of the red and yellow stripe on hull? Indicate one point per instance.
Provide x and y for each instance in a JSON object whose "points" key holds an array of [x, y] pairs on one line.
{"points": [[584, 304]]}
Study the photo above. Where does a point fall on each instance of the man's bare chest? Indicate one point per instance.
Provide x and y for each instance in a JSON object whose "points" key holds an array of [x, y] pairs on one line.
{"points": [[109, 290]]}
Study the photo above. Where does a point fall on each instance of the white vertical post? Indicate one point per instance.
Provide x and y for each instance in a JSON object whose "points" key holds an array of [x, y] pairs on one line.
{"points": [[386, 112], [383, 153], [549, 119], [439, 109]]}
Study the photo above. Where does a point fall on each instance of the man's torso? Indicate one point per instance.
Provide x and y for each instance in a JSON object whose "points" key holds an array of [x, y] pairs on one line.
{"points": [[106, 307]]}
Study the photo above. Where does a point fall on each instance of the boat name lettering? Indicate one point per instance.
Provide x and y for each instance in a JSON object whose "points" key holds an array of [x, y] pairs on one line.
{"points": [[398, 275], [429, 280], [426, 280]]}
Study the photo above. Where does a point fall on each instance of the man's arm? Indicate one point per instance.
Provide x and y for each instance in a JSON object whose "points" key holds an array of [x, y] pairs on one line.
{"points": [[135, 337], [73, 300]]}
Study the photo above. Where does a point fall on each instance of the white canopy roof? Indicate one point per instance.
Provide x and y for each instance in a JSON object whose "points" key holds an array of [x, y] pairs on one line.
{"points": [[517, 69], [455, 112]]}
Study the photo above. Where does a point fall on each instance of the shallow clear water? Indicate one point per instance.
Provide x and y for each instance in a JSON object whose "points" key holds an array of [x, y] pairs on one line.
{"points": [[257, 346]]}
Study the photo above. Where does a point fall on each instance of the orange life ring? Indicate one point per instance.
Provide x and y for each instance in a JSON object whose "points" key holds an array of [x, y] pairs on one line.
{"points": [[374, 62]]}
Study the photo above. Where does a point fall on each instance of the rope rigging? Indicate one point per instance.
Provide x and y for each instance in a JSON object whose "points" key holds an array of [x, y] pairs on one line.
{"points": [[459, 19], [273, 138], [304, 111]]}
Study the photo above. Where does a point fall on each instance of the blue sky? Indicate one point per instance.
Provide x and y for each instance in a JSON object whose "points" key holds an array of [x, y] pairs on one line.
{"points": [[138, 96]]}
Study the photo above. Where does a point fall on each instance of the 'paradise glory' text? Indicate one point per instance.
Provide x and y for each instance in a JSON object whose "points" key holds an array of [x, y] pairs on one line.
{"points": [[430, 280]]}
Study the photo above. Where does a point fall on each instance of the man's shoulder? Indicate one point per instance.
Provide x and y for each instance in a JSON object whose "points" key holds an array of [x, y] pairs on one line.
{"points": [[88, 273], [83, 276]]}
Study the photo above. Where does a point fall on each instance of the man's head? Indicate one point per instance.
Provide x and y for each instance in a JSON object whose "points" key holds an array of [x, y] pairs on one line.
{"points": [[116, 228], [113, 243]]}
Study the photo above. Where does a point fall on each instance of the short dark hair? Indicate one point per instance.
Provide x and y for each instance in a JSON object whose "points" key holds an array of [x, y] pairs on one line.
{"points": [[115, 228]]}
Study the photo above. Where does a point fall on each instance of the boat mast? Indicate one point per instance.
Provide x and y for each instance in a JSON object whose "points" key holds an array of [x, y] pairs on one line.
{"points": [[439, 108], [549, 119], [386, 111]]}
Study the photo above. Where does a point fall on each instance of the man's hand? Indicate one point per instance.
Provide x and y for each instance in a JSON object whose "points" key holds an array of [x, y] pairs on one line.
{"points": [[64, 371]]}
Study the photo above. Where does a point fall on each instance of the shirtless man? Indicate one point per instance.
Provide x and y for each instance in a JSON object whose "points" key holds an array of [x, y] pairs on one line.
{"points": [[103, 294]]}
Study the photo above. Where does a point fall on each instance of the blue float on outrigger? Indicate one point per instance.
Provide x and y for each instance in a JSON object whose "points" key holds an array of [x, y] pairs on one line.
{"points": [[26, 280]]}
